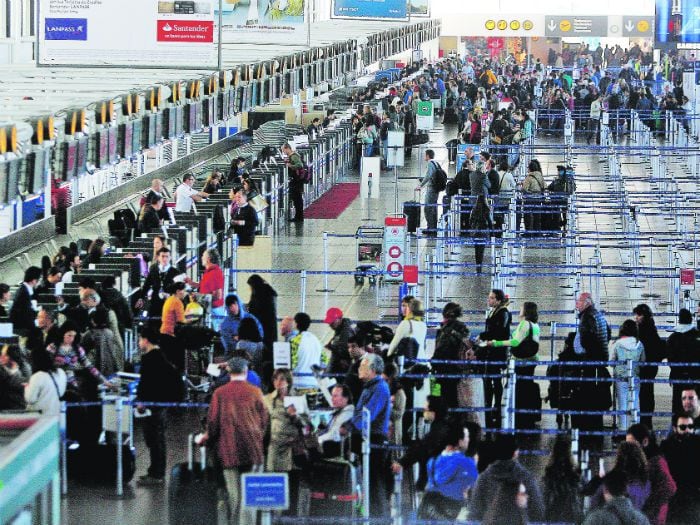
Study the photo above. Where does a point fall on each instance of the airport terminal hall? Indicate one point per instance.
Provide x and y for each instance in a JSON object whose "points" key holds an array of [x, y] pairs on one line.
{"points": [[349, 262]]}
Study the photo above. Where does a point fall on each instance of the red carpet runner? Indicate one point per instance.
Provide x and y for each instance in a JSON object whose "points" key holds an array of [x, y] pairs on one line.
{"points": [[333, 202]]}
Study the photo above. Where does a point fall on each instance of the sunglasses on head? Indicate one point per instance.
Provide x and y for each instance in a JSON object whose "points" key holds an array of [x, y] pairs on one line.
{"points": [[686, 427]]}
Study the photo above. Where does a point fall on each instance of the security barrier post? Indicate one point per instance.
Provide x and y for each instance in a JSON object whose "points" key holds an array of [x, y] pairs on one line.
{"points": [[366, 422], [325, 288], [120, 453], [302, 290], [64, 452]]}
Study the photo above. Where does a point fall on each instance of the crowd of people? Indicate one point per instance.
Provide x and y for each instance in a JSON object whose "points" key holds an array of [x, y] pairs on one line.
{"points": [[70, 351]]}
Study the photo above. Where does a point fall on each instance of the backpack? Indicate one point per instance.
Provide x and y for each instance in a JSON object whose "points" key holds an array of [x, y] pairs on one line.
{"points": [[439, 178]]}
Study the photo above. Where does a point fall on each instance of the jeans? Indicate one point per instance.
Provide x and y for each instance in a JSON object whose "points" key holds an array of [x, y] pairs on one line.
{"points": [[368, 150], [431, 214], [296, 195], [237, 515], [217, 317], [621, 395], [154, 434]]}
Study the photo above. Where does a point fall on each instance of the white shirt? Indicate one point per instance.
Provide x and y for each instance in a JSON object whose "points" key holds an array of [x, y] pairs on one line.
{"points": [[309, 354], [415, 329], [507, 182], [41, 393], [183, 197]]}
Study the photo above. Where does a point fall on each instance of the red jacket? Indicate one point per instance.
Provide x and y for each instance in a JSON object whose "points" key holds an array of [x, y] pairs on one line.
{"points": [[662, 490], [236, 424]]}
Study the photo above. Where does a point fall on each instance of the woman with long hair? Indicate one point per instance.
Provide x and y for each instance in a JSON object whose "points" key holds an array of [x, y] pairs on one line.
{"points": [[627, 347], [561, 484], [46, 385], [654, 351], [509, 505], [632, 463], [263, 305], [95, 252], [213, 182], [448, 346]]}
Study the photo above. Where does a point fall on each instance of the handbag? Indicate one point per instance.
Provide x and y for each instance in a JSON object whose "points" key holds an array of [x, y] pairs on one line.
{"points": [[258, 203], [527, 348], [408, 346]]}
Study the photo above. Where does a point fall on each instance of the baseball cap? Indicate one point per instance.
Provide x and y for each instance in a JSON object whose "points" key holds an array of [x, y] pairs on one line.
{"points": [[332, 315]]}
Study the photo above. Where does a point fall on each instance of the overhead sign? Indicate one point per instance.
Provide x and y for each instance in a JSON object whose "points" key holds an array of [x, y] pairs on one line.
{"points": [[424, 116], [420, 8], [374, 9], [394, 247], [563, 26], [126, 33], [494, 24], [266, 492], [638, 26], [269, 22]]}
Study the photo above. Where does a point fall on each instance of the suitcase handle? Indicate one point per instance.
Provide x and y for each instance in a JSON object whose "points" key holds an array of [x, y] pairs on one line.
{"points": [[190, 454]]}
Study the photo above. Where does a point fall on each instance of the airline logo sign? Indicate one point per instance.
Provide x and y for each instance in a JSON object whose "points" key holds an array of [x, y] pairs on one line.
{"points": [[394, 247], [65, 29], [188, 31]]}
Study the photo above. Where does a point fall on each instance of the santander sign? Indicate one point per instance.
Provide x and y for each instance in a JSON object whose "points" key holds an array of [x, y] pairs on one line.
{"points": [[193, 31]]}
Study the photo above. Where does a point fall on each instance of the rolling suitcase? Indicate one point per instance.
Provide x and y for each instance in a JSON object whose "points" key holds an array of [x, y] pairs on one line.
{"points": [[193, 491], [332, 487], [411, 209]]}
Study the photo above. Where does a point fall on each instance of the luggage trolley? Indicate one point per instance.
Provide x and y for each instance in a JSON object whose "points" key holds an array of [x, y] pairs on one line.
{"points": [[370, 240]]}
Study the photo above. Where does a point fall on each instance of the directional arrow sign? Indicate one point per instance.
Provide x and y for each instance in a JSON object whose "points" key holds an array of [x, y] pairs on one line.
{"points": [[586, 26], [638, 26]]}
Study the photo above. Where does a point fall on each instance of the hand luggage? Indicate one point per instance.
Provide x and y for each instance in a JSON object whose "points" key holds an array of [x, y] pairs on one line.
{"points": [[411, 209], [332, 487], [193, 491], [451, 146], [97, 463], [527, 396]]}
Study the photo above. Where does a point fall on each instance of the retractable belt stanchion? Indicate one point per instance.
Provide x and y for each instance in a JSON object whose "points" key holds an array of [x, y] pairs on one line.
{"points": [[366, 426], [302, 290], [326, 268], [64, 448], [118, 408]]}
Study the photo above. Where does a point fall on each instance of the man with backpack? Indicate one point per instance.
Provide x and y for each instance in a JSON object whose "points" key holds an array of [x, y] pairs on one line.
{"points": [[435, 181], [296, 169]]}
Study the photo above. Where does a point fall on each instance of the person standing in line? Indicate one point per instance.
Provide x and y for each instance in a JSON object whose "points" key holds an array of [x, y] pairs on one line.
{"points": [[627, 348], [655, 351], [212, 284], [245, 220], [498, 321], [22, 312], [236, 426], [618, 507], [683, 346], [338, 346], [377, 399], [594, 118], [481, 224], [533, 189], [296, 185], [431, 194], [186, 195]]}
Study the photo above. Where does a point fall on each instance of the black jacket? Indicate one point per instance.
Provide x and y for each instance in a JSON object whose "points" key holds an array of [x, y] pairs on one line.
{"points": [[154, 368], [246, 233], [157, 282], [340, 358], [21, 314], [422, 450], [684, 347], [37, 341], [148, 219], [497, 329], [11, 391], [595, 334], [115, 301], [163, 212]]}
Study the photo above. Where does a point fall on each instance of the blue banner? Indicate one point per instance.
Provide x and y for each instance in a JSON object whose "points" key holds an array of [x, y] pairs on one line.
{"points": [[376, 9], [677, 26], [65, 29]]}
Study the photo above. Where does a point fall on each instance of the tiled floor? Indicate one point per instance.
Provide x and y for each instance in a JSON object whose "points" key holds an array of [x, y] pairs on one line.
{"points": [[301, 247]]}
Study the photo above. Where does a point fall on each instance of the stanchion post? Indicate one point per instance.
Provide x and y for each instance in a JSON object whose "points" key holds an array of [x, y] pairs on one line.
{"points": [[365, 462], [63, 419], [631, 393], [118, 408], [325, 265], [552, 335], [507, 414], [398, 503], [426, 286], [302, 290]]}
